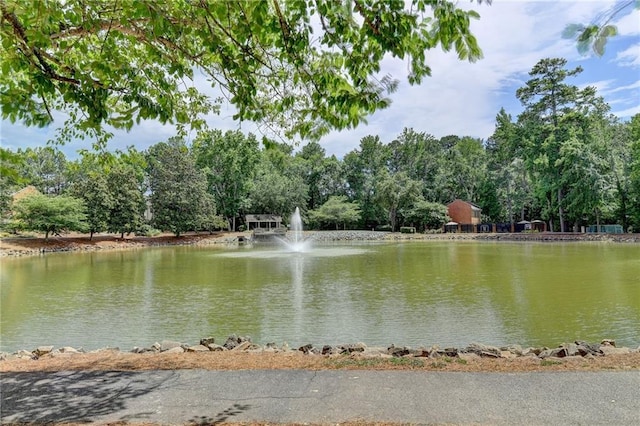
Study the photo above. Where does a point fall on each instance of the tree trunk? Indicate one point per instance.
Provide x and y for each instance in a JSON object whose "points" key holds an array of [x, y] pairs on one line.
{"points": [[46, 235], [91, 236], [560, 211], [510, 207]]}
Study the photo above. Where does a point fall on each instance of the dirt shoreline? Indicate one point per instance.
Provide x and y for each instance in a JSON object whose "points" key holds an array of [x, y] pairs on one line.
{"points": [[111, 360], [29, 246]]}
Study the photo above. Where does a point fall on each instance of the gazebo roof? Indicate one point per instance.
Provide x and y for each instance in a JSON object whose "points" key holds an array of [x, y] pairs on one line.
{"points": [[263, 218]]}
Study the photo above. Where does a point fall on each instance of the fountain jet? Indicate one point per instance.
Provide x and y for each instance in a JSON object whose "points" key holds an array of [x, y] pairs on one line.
{"points": [[296, 242]]}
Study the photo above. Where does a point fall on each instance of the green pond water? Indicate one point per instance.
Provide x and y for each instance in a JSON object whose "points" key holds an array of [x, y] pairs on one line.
{"points": [[408, 293]]}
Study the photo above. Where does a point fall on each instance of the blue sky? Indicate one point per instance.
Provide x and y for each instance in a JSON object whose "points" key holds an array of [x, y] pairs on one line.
{"points": [[460, 98]]}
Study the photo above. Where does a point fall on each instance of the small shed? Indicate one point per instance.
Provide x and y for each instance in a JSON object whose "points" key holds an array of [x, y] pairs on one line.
{"points": [[538, 226], [263, 221], [451, 227], [523, 225]]}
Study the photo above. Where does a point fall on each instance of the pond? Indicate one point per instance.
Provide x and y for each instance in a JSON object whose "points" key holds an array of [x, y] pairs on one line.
{"points": [[406, 293]]}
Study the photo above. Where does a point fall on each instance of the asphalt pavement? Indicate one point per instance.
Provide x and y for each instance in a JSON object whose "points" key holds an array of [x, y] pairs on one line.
{"points": [[300, 396]]}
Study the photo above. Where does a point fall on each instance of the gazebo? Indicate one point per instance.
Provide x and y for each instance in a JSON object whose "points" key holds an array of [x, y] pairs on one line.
{"points": [[263, 221]]}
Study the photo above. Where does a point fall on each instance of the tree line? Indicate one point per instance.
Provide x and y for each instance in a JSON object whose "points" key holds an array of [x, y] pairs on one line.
{"points": [[565, 159]]}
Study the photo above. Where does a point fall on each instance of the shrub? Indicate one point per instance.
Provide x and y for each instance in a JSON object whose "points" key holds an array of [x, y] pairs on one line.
{"points": [[147, 230], [407, 229], [385, 228]]}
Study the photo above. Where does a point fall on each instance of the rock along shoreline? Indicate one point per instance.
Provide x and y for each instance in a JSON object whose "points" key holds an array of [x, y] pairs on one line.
{"points": [[235, 344], [22, 246]]}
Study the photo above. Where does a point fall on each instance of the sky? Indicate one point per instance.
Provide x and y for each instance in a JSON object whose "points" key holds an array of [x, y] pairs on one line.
{"points": [[460, 98]]}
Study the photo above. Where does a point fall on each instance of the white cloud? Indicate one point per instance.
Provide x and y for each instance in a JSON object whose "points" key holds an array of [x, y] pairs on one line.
{"points": [[629, 24], [462, 98], [629, 112], [629, 57]]}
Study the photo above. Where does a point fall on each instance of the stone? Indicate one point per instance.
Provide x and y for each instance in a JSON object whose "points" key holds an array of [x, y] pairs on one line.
{"points": [[25, 354], [483, 350], [560, 352], [305, 349], [43, 350], [451, 352], [198, 348], [156, 347], [514, 349], [612, 350], [608, 342], [572, 349], [353, 347], [585, 348], [422, 353], [232, 342], [207, 341], [508, 355], [535, 351], [174, 350], [166, 345], [545, 353], [216, 348], [326, 349], [243, 346], [69, 349], [398, 352]]}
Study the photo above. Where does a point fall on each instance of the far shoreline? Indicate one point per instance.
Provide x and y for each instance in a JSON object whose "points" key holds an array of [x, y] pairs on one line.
{"points": [[37, 245]]}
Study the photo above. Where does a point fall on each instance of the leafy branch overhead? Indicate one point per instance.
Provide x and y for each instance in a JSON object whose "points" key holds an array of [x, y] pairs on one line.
{"points": [[303, 67], [594, 36]]}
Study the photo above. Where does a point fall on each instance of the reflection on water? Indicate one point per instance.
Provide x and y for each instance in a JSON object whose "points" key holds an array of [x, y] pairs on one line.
{"points": [[413, 293], [275, 252]]}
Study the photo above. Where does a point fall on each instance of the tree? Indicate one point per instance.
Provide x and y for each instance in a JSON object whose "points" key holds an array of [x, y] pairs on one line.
{"points": [[94, 191], [304, 66], [634, 126], [552, 109], [427, 215], [9, 179], [277, 188], [465, 167], [129, 204], [396, 193], [312, 156], [49, 214], [336, 211], [363, 171], [44, 168], [507, 171], [421, 156], [179, 197], [229, 162]]}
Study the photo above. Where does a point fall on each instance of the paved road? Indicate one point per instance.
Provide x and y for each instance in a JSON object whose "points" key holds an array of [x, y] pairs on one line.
{"points": [[197, 396]]}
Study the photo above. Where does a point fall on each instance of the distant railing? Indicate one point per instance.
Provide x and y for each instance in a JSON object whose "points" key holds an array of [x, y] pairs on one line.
{"points": [[485, 228], [605, 229]]}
